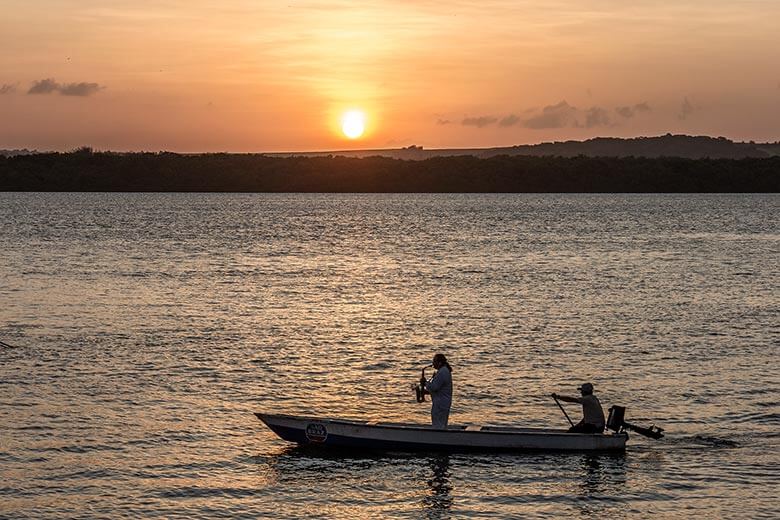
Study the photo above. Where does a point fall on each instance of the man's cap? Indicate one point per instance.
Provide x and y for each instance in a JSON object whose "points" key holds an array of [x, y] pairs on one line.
{"points": [[586, 387]]}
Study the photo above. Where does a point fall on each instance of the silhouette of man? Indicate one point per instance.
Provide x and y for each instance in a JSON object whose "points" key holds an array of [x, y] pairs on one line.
{"points": [[440, 389], [592, 413]]}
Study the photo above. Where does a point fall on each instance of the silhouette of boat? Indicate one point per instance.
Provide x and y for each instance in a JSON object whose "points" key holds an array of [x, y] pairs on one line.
{"points": [[371, 435]]}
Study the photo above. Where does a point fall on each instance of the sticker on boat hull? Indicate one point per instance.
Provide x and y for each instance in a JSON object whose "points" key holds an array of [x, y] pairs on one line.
{"points": [[316, 432]]}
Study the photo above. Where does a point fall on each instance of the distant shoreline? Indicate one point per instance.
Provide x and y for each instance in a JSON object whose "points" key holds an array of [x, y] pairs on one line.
{"points": [[669, 145], [244, 173]]}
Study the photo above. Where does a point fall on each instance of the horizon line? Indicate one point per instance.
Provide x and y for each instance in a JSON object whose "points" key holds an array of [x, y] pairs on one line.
{"points": [[411, 147]]}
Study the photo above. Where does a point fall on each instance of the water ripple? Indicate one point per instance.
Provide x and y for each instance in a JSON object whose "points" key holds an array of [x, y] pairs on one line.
{"points": [[149, 327]]}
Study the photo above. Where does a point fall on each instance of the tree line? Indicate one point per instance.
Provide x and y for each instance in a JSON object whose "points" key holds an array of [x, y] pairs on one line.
{"points": [[85, 170]]}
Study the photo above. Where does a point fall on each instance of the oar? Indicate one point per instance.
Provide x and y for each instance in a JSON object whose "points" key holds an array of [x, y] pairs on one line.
{"points": [[564, 411], [6, 345]]}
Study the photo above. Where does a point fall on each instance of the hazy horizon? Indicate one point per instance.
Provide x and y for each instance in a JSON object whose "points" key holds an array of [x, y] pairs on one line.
{"points": [[257, 76], [358, 149]]}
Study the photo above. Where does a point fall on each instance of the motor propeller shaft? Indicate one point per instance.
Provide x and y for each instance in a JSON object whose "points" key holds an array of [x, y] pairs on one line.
{"points": [[616, 422], [654, 432]]}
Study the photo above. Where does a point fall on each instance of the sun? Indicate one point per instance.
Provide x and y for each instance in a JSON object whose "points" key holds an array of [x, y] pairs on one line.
{"points": [[353, 123]]}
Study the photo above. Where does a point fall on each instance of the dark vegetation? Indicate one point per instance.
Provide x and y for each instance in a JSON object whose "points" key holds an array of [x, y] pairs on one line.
{"points": [[686, 146], [85, 170]]}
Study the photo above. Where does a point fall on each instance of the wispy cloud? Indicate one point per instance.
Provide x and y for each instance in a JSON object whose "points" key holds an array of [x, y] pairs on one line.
{"points": [[6, 88], [596, 116], [630, 111], [560, 115], [44, 86], [510, 120], [553, 116], [686, 109], [79, 89], [50, 86], [479, 122]]}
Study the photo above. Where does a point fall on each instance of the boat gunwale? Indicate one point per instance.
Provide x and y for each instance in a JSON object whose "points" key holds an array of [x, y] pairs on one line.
{"points": [[413, 427]]}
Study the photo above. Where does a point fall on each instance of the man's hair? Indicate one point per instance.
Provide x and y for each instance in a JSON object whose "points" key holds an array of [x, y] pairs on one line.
{"points": [[441, 358]]}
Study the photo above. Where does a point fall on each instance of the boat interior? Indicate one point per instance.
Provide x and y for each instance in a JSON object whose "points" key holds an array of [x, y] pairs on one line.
{"points": [[462, 427]]}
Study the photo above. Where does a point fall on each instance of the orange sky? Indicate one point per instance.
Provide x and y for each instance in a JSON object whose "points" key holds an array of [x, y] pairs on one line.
{"points": [[253, 75]]}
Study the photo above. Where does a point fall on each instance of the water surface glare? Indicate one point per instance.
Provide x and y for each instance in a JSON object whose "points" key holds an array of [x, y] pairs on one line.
{"points": [[149, 327]]}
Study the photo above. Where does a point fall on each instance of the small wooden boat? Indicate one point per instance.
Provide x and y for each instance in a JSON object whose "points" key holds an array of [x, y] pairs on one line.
{"points": [[382, 436]]}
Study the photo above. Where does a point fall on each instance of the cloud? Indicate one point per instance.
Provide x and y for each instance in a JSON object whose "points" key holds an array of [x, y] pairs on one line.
{"points": [[7, 89], [560, 115], [443, 122], [50, 86], [79, 89], [552, 116], [510, 120], [479, 122], [44, 86], [686, 109], [596, 116], [629, 112]]}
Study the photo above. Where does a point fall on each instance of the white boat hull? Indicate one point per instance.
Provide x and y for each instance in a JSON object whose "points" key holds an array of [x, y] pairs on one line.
{"points": [[415, 437]]}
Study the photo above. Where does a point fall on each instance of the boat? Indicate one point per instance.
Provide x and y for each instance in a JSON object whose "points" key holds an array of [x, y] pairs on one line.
{"points": [[385, 436]]}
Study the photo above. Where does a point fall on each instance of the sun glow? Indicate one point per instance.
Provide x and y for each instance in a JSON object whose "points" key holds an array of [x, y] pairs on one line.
{"points": [[353, 123]]}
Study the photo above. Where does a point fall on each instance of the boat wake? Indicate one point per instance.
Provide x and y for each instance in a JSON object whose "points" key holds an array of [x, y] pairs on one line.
{"points": [[697, 441]]}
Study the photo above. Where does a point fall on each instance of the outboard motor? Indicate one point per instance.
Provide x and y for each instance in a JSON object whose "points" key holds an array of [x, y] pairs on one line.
{"points": [[616, 422], [420, 387], [615, 418]]}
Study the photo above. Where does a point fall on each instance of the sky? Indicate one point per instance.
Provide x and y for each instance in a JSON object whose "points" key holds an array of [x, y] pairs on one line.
{"points": [[255, 75]]}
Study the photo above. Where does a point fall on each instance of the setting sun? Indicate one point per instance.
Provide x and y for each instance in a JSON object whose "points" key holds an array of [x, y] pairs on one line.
{"points": [[353, 123]]}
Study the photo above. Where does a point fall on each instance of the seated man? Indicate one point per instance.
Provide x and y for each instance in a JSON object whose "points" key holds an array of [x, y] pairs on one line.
{"points": [[592, 413]]}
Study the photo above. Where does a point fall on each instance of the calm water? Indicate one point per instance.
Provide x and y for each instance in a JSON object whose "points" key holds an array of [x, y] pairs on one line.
{"points": [[149, 327]]}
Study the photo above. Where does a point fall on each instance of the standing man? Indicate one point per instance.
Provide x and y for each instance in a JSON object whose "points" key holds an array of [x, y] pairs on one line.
{"points": [[592, 413], [440, 389]]}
